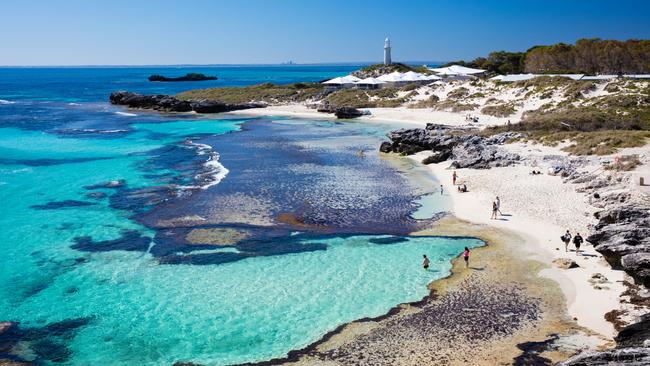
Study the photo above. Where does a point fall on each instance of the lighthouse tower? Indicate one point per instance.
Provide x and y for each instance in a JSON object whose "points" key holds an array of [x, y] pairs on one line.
{"points": [[387, 60]]}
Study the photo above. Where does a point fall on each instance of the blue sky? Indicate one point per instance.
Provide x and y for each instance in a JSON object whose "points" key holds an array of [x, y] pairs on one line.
{"points": [[132, 32]]}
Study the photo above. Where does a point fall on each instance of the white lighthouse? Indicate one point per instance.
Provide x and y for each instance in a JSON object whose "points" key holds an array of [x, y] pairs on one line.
{"points": [[387, 60]]}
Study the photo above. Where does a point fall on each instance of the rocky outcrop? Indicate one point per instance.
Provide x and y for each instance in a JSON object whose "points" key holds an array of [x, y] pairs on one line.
{"points": [[466, 150], [166, 103], [188, 77], [636, 356], [635, 335], [631, 348], [622, 236], [347, 112]]}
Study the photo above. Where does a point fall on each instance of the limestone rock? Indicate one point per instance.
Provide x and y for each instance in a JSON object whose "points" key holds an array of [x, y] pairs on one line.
{"points": [[347, 112], [565, 263], [622, 236], [166, 103], [637, 356]]}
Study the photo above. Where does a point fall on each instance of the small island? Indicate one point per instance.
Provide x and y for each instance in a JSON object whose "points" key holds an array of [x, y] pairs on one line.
{"points": [[188, 77]]}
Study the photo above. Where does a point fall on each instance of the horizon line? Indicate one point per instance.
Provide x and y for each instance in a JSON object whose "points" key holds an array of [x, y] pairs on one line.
{"points": [[342, 63]]}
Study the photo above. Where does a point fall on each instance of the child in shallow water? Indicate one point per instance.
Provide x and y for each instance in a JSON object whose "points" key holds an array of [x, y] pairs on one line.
{"points": [[425, 262]]}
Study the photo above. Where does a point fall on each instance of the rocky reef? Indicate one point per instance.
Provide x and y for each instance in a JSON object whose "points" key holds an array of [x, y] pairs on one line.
{"points": [[622, 236], [466, 150], [188, 77], [167, 103]]}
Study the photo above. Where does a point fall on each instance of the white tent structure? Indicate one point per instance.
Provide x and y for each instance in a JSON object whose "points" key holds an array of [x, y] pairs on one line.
{"points": [[348, 80], [521, 77], [414, 76], [457, 70], [599, 77], [393, 77], [370, 83]]}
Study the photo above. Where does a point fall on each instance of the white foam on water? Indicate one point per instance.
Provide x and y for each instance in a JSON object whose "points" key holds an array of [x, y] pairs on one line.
{"points": [[216, 171], [126, 114], [2, 101]]}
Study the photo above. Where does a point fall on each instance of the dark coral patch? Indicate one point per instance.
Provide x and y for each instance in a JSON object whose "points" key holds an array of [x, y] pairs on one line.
{"points": [[131, 240], [54, 205]]}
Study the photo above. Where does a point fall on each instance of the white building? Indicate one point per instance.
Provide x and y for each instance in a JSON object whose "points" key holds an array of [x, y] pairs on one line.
{"points": [[387, 60]]}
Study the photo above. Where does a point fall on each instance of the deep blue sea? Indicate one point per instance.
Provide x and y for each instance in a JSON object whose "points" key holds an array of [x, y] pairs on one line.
{"points": [[140, 238]]}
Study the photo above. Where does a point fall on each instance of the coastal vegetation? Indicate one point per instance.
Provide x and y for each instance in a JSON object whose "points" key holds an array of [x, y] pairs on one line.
{"points": [[267, 93], [598, 125], [589, 56], [381, 69]]}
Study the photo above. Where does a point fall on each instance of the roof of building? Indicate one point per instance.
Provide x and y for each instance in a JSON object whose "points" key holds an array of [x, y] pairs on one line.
{"points": [[457, 70]]}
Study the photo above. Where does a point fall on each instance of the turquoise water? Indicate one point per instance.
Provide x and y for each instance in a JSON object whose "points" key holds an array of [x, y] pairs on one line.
{"points": [[123, 307]]}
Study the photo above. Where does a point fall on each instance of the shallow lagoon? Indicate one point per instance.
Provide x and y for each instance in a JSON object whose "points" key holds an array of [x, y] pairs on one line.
{"points": [[119, 307]]}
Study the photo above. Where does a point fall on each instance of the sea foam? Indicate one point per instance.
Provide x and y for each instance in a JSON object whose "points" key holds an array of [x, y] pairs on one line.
{"points": [[126, 114], [215, 170]]}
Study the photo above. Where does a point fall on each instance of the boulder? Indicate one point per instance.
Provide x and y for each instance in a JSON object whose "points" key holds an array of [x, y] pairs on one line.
{"points": [[634, 335], [565, 263], [597, 278], [347, 112], [437, 157]]}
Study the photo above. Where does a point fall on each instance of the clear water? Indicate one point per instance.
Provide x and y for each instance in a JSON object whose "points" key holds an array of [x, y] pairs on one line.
{"points": [[118, 307]]}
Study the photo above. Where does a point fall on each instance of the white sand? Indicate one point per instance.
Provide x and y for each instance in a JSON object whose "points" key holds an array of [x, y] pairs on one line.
{"points": [[540, 208], [417, 117]]}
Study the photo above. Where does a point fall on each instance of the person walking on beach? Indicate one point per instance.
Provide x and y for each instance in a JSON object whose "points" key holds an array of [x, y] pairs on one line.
{"points": [[498, 201], [577, 241], [566, 239], [454, 176], [466, 256], [494, 211], [425, 262]]}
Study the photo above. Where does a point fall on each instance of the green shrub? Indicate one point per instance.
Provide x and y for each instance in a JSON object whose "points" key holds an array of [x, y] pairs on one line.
{"points": [[426, 103], [266, 92], [458, 93], [499, 110]]}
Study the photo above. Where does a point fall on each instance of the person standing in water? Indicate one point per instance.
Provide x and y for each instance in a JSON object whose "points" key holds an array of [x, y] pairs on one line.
{"points": [[577, 241], [425, 262], [454, 176], [466, 256], [566, 239]]}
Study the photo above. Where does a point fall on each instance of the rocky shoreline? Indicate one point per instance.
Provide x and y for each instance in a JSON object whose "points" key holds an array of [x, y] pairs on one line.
{"points": [[167, 103], [446, 143], [621, 234]]}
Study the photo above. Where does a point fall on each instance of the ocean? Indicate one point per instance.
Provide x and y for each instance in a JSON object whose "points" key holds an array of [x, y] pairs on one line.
{"points": [[133, 237]]}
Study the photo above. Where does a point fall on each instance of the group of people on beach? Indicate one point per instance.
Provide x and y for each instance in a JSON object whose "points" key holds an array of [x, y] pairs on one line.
{"points": [[577, 241], [426, 262]]}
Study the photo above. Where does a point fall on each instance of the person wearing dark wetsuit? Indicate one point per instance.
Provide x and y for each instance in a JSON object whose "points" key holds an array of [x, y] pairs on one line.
{"points": [[577, 241]]}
